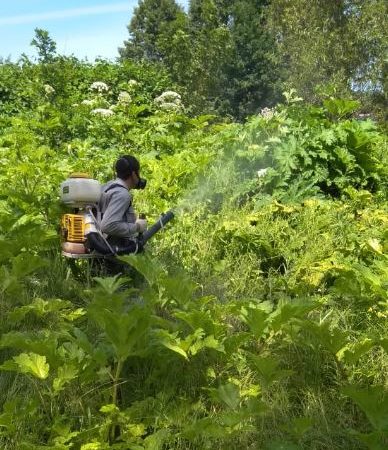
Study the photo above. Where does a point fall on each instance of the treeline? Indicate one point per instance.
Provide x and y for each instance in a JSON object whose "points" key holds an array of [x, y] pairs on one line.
{"points": [[235, 57]]}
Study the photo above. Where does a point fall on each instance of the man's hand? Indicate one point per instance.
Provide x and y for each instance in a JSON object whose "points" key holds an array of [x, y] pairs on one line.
{"points": [[141, 225]]}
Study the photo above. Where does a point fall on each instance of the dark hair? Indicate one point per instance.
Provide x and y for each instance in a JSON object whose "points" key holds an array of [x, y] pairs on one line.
{"points": [[126, 165]]}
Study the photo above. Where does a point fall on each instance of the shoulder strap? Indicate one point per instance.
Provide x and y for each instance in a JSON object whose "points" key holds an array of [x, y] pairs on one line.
{"points": [[114, 185]]}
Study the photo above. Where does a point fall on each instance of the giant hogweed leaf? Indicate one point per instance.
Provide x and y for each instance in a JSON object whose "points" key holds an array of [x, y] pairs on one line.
{"points": [[289, 311], [346, 158], [24, 264], [256, 319], [200, 319], [43, 343], [373, 401], [352, 352], [375, 282], [39, 307], [268, 369], [110, 285], [374, 245], [150, 270], [233, 342], [327, 136], [228, 394], [123, 330], [171, 341], [65, 374], [206, 342], [178, 287], [9, 283], [331, 339], [156, 441], [340, 107], [28, 363]]}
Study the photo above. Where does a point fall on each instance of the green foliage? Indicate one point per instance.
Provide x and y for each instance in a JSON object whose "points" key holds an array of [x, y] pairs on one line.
{"points": [[247, 317], [340, 44], [220, 52], [149, 18]]}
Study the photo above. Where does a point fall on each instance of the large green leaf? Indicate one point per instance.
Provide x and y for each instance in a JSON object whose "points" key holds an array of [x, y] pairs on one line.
{"points": [[373, 401], [33, 364], [268, 369], [256, 318], [333, 339], [228, 394], [123, 330]]}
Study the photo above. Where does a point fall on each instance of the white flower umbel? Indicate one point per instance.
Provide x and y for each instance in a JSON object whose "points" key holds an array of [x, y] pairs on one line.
{"points": [[87, 102], [169, 101], [267, 113], [170, 107], [124, 98], [49, 89], [262, 172], [132, 83], [99, 86], [169, 97], [102, 112]]}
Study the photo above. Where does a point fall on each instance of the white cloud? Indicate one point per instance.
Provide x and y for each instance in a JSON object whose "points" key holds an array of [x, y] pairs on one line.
{"points": [[67, 13]]}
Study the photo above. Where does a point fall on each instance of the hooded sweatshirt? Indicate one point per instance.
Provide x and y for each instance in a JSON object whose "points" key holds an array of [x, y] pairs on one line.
{"points": [[119, 216]]}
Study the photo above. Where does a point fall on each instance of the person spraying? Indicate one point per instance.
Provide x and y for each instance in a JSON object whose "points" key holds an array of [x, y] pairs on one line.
{"points": [[118, 218], [103, 223]]}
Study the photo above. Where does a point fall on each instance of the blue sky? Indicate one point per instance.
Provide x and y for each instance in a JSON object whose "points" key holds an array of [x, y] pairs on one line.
{"points": [[85, 28]]}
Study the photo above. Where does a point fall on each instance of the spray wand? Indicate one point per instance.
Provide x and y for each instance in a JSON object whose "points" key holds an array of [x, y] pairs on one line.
{"points": [[95, 241]]}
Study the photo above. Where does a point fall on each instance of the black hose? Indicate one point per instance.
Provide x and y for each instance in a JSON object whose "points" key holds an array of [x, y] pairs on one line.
{"points": [[163, 220], [95, 242]]}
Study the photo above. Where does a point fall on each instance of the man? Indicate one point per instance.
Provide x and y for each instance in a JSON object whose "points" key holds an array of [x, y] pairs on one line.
{"points": [[119, 219]]}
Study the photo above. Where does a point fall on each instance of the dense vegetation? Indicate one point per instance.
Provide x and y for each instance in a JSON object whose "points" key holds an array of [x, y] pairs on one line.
{"points": [[258, 320]]}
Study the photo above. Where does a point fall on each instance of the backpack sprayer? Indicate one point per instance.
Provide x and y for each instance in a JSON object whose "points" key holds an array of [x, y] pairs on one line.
{"points": [[80, 230]]}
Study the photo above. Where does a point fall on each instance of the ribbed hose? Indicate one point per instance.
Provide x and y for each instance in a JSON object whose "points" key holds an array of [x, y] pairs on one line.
{"points": [[163, 220], [95, 241]]}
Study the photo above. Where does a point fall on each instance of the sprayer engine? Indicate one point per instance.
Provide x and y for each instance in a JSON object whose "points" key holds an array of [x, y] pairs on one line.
{"points": [[82, 194], [80, 230]]}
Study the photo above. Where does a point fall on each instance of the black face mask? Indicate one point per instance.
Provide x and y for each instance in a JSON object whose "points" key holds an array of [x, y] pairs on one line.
{"points": [[141, 184]]}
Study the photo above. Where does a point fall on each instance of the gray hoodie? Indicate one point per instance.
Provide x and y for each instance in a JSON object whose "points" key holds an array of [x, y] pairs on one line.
{"points": [[118, 214]]}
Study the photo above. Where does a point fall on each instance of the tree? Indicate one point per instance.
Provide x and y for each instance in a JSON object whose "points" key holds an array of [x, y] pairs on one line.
{"points": [[149, 18], [251, 76], [337, 42], [221, 52], [235, 48], [45, 46]]}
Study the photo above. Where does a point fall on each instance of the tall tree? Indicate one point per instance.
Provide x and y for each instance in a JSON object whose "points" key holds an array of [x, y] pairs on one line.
{"points": [[45, 46], [220, 52], [245, 75], [251, 76], [149, 18]]}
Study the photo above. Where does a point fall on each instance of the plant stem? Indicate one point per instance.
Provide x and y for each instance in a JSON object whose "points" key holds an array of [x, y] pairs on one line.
{"points": [[115, 428], [119, 367]]}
